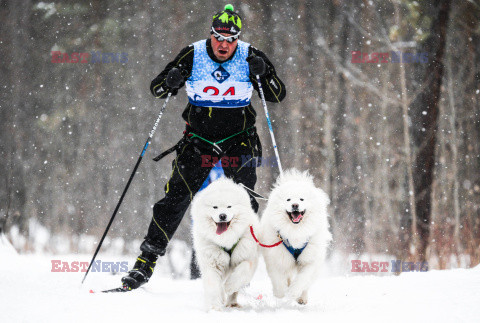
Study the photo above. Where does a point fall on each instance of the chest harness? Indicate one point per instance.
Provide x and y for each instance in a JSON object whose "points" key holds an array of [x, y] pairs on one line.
{"points": [[295, 252]]}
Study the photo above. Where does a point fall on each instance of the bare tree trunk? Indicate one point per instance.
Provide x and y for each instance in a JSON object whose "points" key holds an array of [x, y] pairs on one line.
{"points": [[408, 157], [8, 191], [424, 116], [454, 146]]}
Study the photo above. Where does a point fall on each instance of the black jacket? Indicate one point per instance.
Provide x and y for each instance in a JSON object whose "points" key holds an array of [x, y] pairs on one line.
{"points": [[218, 123]]}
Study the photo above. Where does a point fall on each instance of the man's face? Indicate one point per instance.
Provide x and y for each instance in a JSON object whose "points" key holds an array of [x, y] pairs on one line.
{"points": [[223, 49]]}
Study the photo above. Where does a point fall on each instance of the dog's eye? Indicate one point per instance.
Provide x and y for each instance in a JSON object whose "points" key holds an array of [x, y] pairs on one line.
{"points": [[288, 200], [229, 206], [301, 199], [215, 207]]}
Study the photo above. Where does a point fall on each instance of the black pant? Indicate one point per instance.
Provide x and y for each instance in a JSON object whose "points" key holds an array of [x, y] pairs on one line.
{"points": [[189, 170]]}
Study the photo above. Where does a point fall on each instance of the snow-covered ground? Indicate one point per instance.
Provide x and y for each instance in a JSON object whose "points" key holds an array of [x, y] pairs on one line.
{"points": [[30, 292]]}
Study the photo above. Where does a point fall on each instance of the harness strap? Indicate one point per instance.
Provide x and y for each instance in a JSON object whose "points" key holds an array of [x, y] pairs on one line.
{"points": [[229, 251], [261, 244], [191, 135], [214, 144], [253, 193], [194, 135], [170, 150]]}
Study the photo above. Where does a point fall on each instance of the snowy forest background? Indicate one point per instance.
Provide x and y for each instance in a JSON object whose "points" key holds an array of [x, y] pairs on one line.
{"points": [[396, 146]]}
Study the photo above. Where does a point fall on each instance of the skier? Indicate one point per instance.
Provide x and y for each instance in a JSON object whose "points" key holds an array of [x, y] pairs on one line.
{"points": [[219, 74]]}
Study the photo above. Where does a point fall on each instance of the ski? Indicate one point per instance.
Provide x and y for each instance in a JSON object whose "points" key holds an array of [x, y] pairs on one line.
{"points": [[117, 290], [122, 289]]}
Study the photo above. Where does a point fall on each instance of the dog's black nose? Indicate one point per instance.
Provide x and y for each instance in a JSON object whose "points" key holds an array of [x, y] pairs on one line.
{"points": [[222, 217], [295, 206]]}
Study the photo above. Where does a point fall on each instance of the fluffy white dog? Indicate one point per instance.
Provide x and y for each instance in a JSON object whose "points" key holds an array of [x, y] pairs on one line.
{"points": [[226, 253], [296, 213]]}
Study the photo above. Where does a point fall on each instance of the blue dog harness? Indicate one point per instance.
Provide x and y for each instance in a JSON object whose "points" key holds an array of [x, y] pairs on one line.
{"points": [[295, 252]]}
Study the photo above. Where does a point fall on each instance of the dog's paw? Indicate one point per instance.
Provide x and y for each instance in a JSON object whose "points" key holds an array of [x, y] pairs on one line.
{"points": [[234, 305], [300, 297], [302, 301]]}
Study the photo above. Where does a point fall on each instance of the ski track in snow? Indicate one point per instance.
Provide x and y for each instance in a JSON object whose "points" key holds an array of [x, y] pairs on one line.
{"points": [[30, 292]]}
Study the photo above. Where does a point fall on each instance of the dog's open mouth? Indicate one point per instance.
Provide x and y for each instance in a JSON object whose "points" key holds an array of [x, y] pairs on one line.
{"points": [[222, 227], [296, 216]]}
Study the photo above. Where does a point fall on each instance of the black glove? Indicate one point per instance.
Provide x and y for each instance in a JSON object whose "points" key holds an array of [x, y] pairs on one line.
{"points": [[174, 79], [256, 64]]}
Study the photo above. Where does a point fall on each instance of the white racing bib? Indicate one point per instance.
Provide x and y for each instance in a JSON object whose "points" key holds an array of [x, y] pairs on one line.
{"points": [[225, 85]]}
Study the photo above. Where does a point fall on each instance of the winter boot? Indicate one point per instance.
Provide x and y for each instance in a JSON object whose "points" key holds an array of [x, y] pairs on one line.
{"points": [[141, 271]]}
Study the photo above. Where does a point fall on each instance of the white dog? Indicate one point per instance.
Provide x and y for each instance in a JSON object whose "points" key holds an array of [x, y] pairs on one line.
{"points": [[296, 213], [226, 253]]}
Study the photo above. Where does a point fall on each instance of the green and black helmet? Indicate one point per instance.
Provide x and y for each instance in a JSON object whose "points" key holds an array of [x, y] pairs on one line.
{"points": [[227, 21]]}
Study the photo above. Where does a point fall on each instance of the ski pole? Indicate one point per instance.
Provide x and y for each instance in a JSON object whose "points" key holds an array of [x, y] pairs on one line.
{"points": [[150, 135], [269, 124]]}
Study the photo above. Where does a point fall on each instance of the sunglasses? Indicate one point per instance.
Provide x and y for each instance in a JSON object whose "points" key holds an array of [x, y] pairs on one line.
{"points": [[221, 38]]}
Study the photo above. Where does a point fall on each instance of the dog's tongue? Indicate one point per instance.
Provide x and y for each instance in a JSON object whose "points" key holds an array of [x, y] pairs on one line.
{"points": [[222, 227], [296, 216]]}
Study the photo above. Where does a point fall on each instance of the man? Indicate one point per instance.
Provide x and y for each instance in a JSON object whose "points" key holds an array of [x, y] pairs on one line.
{"points": [[220, 76]]}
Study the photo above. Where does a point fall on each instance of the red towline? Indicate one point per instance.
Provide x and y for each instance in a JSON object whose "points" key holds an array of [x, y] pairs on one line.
{"points": [[261, 244]]}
